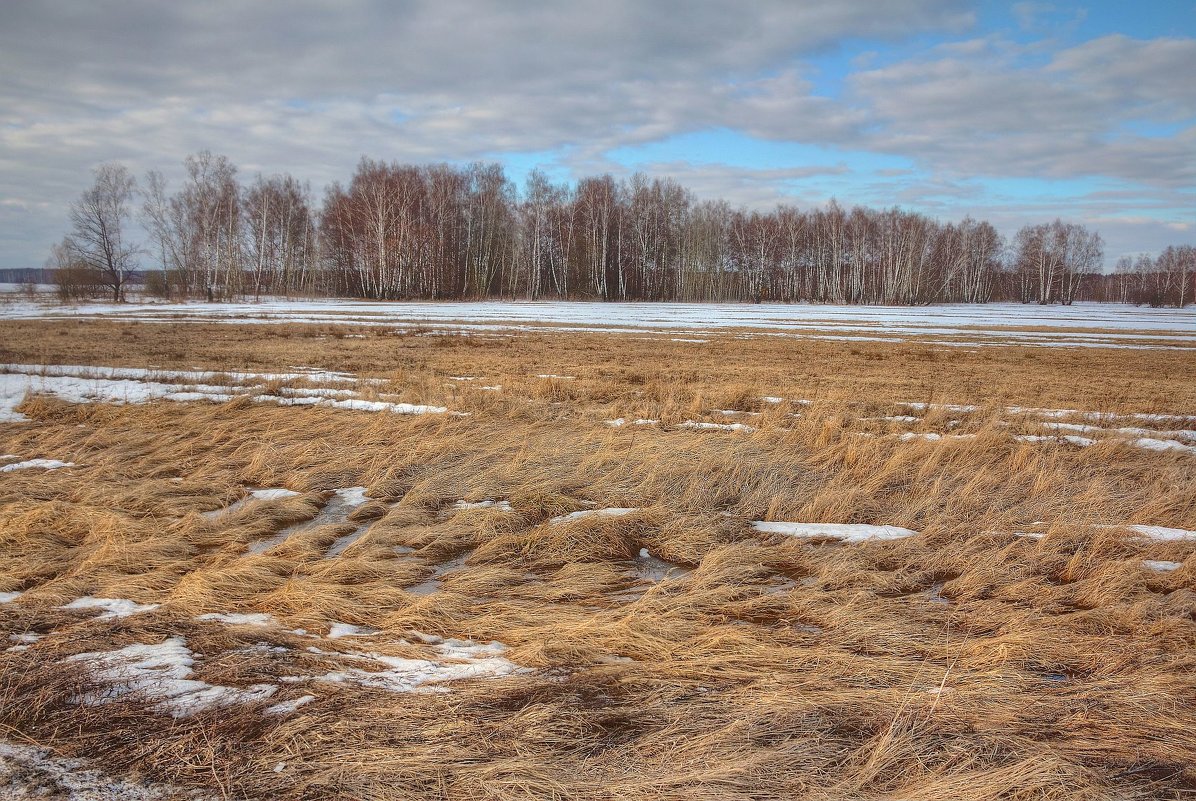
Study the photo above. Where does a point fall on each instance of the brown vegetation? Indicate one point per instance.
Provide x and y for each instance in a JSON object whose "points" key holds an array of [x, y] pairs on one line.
{"points": [[966, 662]]}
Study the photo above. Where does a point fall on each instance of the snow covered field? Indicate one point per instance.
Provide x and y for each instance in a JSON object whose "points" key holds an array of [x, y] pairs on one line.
{"points": [[1082, 325]]}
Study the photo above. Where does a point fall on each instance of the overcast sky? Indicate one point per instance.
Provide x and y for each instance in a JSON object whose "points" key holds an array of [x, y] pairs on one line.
{"points": [[1011, 112]]}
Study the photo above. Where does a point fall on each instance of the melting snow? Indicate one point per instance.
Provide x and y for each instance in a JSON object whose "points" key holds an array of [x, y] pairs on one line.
{"points": [[613, 511], [288, 707], [335, 511], [161, 673], [31, 772], [43, 464], [1079, 325], [114, 607], [846, 532], [83, 384], [1160, 566], [697, 425], [930, 436], [1164, 534], [235, 619], [9, 597], [643, 421], [502, 506], [339, 630], [465, 659], [272, 494]]}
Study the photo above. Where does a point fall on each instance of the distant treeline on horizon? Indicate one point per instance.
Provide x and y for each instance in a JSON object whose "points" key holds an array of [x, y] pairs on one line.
{"points": [[447, 232]]}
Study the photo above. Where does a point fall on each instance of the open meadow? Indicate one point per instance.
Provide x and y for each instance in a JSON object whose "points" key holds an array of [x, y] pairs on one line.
{"points": [[495, 551]]}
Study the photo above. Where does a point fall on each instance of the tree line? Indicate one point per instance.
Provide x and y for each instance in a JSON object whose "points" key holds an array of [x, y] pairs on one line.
{"points": [[441, 231]]}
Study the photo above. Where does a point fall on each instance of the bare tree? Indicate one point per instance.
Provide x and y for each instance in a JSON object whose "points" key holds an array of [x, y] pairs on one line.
{"points": [[99, 219]]}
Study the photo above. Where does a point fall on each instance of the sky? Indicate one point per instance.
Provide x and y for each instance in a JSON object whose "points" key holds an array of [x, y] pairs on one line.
{"points": [[1010, 112]]}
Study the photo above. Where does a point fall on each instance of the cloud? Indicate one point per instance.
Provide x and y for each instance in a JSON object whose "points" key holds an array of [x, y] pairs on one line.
{"points": [[311, 87], [989, 109]]}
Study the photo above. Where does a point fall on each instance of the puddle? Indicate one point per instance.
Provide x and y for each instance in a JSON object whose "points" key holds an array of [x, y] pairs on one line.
{"points": [[259, 494], [432, 584], [648, 571], [935, 595], [777, 587], [336, 511], [344, 542], [649, 568]]}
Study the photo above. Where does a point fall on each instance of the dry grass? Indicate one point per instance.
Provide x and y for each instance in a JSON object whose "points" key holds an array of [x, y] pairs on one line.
{"points": [[965, 662]]}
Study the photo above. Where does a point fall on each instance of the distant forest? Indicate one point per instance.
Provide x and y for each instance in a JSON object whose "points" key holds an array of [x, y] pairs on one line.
{"points": [[435, 232]]}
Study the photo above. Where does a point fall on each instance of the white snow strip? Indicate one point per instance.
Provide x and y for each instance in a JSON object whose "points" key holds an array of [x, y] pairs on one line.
{"points": [[383, 406], [1164, 534], [113, 607], [161, 673], [237, 619], [351, 497], [272, 494], [289, 707], [80, 384], [931, 436], [1073, 439], [464, 506], [9, 597], [1152, 444], [1159, 566], [703, 426], [1079, 325], [42, 464], [339, 630], [846, 532], [613, 511]]}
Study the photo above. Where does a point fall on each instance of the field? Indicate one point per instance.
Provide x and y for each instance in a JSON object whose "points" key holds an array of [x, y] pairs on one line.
{"points": [[509, 552]]}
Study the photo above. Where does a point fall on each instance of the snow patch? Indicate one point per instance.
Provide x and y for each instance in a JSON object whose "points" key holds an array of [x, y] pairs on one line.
{"points": [[272, 494], [41, 464], [339, 630], [29, 772], [702, 426], [113, 607], [1160, 566], [845, 532], [236, 619], [1164, 534], [464, 506], [289, 707], [613, 511], [161, 673], [456, 660]]}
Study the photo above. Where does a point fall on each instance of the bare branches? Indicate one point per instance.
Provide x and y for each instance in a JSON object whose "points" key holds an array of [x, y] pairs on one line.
{"points": [[442, 231], [99, 219]]}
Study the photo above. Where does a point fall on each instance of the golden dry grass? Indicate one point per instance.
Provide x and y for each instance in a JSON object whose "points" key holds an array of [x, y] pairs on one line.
{"points": [[964, 663]]}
